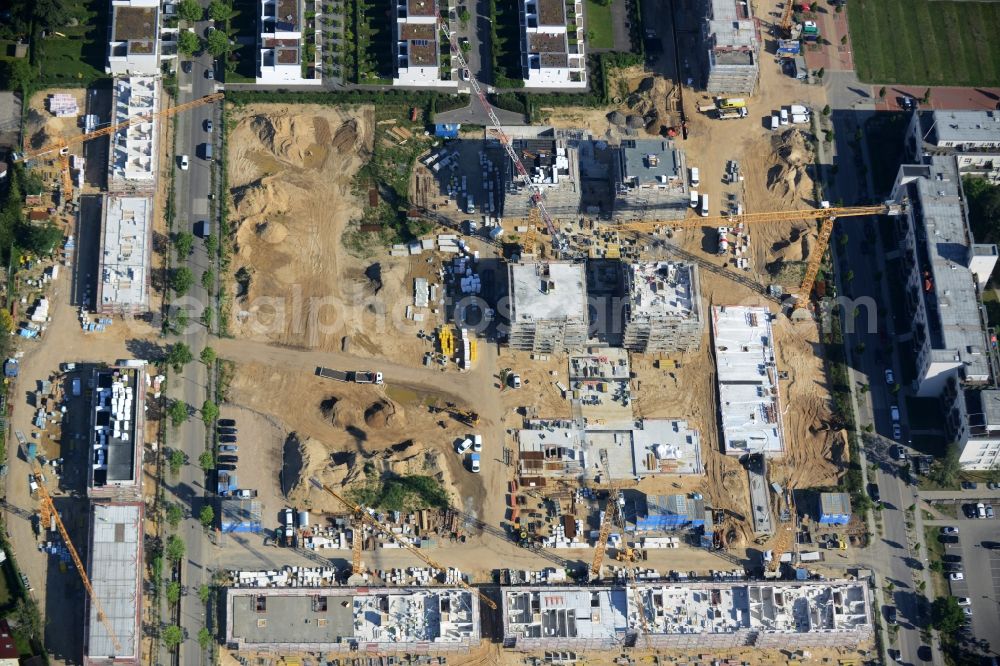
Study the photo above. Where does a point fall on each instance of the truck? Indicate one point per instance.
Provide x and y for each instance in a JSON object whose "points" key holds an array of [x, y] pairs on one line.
{"points": [[727, 114], [732, 103], [706, 108], [356, 376], [800, 119], [245, 493]]}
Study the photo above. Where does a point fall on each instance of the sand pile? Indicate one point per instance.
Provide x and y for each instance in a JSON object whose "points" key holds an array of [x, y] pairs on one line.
{"points": [[787, 178], [272, 232], [287, 137], [382, 414]]}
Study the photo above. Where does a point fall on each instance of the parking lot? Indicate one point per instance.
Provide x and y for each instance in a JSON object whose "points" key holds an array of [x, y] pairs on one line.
{"points": [[981, 569]]}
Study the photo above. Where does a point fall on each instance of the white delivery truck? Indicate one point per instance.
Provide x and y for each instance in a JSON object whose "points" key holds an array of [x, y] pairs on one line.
{"points": [[694, 177], [798, 109], [694, 198], [774, 122], [800, 119], [704, 205], [784, 116]]}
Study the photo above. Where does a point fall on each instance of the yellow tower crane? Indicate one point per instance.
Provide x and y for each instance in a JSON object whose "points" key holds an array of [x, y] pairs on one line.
{"points": [[827, 217], [61, 146], [358, 534], [783, 540], [48, 512], [359, 512]]}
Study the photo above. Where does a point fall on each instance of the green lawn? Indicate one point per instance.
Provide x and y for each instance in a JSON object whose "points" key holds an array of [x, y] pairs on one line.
{"points": [[599, 25], [926, 42], [77, 57]]}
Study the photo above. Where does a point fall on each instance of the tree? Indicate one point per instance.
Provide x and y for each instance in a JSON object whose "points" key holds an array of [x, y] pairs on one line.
{"points": [[40, 239], [211, 245], [217, 43], [188, 42], [463, 15], [208, 356], [181, 279], [178, 412], [16, 74], [204, 593], [173, 592], [927, 97], [51, 13], [209, 412], [206, 460], [946, 615], [821, 72], [826, 110], [179, 356], [6, 323], [207, 516], [174, 514], [183, 243], [190, 10], [219, 11], [27, 618], [177, 458], [208, 280], [945, 470], [204, 638], [828, 136], [175, 548], [173, 636], [881, 92]]}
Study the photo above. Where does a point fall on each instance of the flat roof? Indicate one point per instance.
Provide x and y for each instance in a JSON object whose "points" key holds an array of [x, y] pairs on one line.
{"points": [[134, 23], [645, 447], [944, 243], [125, 251], [746, 374], [418, 31], [731, 24], [114, 564], [421, 7], [647, 162], [965, 126], [422, 52], [332, 618], [661, 290], [287, 14], [551, 12], [547, 291], [603, 614], [544, 42], [115, 446]]}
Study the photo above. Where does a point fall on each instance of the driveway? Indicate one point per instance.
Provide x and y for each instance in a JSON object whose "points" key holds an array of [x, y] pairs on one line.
{"points": [[475, 114]]}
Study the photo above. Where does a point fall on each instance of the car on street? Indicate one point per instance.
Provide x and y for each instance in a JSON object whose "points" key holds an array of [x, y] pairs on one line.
{"points": [[184, 162], [991, 545], [209, 73], [956, 575], [897, 432], [989, 510], [465, 73], [889, 377], [890, 615], [968, 611], [463, 446], [969, 485], [229, 447], [894, 413], [963, 601], [873, 491], [186, 66], [474, 463], [229, 459], [227, 422], [208, 126], [947, 529], [227, 439]]}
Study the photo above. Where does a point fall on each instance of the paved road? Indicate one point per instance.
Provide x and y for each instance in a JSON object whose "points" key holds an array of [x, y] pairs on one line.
{"points": [[192, 190]]}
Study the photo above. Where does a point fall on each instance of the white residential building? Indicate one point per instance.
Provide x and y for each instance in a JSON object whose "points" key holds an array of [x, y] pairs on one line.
{"points": [[134, 45], [552, 49], [973, 137], [945, 269], [972, 420], [281, 47], [126, 237], [418, 47]]}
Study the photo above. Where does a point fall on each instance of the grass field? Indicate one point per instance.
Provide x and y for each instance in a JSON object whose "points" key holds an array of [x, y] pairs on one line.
{"points": [[77, 57], [599, 25], [926, 42]]}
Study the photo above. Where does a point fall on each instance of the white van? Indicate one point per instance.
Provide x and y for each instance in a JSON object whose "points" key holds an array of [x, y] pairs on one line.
{"points": [[774, 122], [694, 198], [784, 116], [694, 177], [704, 205]]}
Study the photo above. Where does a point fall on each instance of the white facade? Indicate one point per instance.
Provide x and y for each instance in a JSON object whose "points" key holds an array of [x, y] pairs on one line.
{"points": [[417, 44], [132, 159], [973, 137], [280, 57], [552, 48], [134, 45]]}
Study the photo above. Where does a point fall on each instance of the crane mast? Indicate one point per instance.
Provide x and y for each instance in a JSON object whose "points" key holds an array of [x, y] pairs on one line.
{"points": [[359, 512], [537, 197]]}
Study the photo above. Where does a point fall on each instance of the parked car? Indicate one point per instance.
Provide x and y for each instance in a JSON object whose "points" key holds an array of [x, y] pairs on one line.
{"points": [[226, 467], [963, 601], [967, 610], [184, 162], [989, 510], [969, 485], [890, 615], [969, 510], [186, 66], [477, 443], [897, 432], [229, 459], [894, 412], [222, 430], [474, 463], [463, 446], [947, 529], [991, 545], [515, 381], [227, 422], [208, 126], [229, 447], [873, 491], [897, 452], [227, 439], [890, 378], [980, 510], [210, 73], [956, 575], [951, 558]]}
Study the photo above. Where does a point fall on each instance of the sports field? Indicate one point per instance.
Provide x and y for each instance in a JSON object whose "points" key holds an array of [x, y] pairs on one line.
{"points": [[926, 42]]}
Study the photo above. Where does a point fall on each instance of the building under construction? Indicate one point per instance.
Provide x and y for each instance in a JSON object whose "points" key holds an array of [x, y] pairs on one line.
{"points": [[650, 181], [115, 569], [352, 619], [126, 245], [117, 423], [663, 307], [732, 47], [548, 305], [686, 615], [553, 164]]}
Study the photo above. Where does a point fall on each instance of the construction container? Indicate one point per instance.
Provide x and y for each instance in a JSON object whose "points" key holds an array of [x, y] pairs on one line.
{"points": [[666, 512], [834, 508]]}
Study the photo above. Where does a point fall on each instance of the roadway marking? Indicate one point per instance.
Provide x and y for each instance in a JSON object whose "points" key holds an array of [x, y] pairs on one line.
{"points": [[188, 88]]}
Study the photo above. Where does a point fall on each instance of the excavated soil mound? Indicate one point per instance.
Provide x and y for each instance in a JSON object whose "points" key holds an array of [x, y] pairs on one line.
{"points": [[787, 178], [338, 412], [272, 232], [380, 414]]}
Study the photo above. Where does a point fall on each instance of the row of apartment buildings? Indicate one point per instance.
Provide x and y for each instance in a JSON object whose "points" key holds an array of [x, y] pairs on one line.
{"points": [[683, 615]]}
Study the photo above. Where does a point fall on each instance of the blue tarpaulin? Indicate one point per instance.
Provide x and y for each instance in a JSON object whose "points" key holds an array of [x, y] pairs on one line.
{"points": [[447, 130]]}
